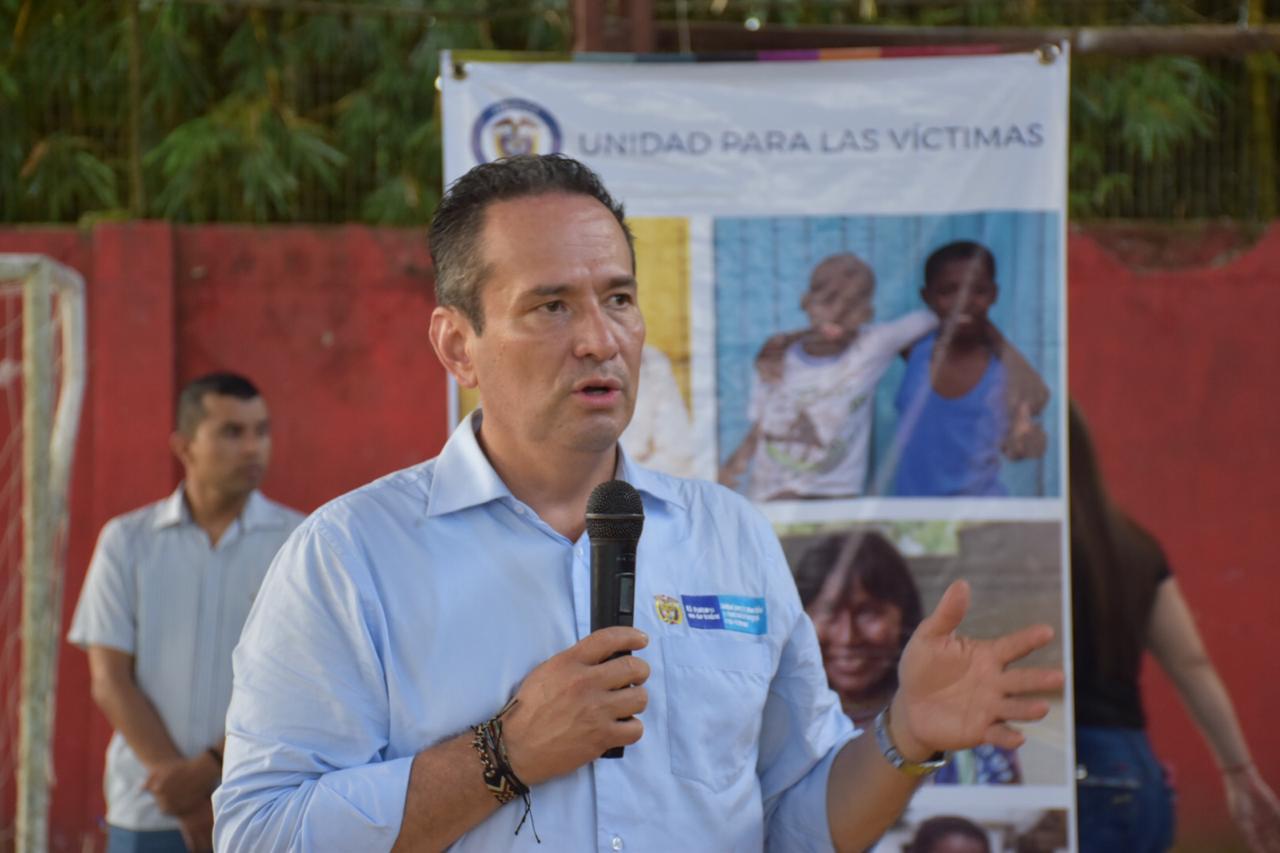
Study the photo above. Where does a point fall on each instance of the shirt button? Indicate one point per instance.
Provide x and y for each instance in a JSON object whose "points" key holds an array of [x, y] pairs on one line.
{"points": [[519, 510], [616, 844]]}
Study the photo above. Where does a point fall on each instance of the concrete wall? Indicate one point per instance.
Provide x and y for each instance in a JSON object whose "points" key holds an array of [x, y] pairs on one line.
{"points": [[1172, 367]]}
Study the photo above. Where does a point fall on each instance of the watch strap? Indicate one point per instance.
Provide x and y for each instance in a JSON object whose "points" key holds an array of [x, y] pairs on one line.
{"points": [[899, 761]]}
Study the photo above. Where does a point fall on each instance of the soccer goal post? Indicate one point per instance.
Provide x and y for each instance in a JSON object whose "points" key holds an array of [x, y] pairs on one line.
{"points": [[42, 380]]}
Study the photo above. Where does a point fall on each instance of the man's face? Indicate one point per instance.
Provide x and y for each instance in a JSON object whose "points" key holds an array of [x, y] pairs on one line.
{"points": [[558, 362], [961, 293], [231, 446], [839, 298]]}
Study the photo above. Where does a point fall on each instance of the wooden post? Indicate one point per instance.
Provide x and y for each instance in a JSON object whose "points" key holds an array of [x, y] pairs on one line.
{"points": [[1262, 124], [588, 26], [643, 38]]}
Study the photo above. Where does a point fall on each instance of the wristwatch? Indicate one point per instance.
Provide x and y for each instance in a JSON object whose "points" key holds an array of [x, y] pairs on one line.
{"points": [[897, 759]]}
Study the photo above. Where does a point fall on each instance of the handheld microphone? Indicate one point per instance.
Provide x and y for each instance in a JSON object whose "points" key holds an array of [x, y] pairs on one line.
{"points": [[615, 517]]}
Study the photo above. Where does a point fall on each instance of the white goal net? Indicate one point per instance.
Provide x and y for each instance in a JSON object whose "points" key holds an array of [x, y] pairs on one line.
{"points": [[42, 379]]}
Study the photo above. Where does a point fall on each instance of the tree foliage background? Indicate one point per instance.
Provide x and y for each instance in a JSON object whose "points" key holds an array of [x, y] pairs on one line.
{"points": [[284, 112]]}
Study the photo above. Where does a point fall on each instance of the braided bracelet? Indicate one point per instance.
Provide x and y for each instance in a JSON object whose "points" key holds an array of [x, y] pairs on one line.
{"points": [[499, 778]]}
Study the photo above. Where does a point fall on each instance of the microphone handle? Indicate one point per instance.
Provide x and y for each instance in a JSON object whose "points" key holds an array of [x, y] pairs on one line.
{"points": [[613, 588]]}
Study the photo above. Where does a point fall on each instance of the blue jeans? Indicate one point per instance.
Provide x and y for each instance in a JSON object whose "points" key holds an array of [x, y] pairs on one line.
{"points": [[138, 841], [1125, 802]]}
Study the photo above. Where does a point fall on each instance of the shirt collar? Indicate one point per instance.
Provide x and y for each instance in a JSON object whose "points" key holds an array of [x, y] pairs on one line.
{"points": [[650, 482], [173, 510], [257, 512], [464, 477]]}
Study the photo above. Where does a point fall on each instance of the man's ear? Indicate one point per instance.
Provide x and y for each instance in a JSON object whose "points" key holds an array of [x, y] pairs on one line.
{"points": [[180, 444], [451, 336]]}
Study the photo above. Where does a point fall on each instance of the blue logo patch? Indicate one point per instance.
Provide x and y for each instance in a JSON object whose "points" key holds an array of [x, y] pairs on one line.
{"points": [[726, 613]]}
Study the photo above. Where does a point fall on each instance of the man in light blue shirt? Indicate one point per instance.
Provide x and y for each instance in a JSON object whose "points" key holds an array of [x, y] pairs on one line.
{"points": [[421, 654], [163, 603]]}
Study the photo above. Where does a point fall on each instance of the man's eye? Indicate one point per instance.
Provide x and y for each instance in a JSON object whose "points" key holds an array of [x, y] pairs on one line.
{"points": [[553, 307], [621, 300]]}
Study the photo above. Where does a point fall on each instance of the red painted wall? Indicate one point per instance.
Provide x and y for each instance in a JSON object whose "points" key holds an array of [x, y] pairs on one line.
{"points": [[1170, 366], [1176, 371]]}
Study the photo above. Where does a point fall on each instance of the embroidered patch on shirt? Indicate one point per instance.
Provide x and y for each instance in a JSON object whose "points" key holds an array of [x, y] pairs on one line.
{"points": [[726, 613], [668, 609]]}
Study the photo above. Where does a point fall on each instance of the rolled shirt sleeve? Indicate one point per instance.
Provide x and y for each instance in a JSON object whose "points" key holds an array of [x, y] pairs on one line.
{"points": [[306, 765]]}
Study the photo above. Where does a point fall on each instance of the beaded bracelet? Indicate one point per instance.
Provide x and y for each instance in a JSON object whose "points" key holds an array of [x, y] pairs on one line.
{"points": [[499, 778]]}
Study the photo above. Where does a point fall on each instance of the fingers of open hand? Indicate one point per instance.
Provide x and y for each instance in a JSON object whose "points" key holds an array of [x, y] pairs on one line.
{"points": [[1029, 680], [1003, 736], [949, 613], [1019, 644], [1021, 710]]}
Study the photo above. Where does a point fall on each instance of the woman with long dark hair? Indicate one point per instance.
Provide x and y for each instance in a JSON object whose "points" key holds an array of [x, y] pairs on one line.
{"points": [[1126, 600]]}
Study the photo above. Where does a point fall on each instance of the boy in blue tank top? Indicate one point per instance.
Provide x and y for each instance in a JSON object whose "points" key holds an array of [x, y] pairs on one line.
{"points": [[968, 398]]}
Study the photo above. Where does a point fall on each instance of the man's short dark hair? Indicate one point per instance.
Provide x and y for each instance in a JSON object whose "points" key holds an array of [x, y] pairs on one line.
{"points": [[459, 220], [191, 398], [960, 250]]}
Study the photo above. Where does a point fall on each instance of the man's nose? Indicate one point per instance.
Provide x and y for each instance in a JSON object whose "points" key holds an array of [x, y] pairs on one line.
{"points": [[595, 335], [254, 444]]}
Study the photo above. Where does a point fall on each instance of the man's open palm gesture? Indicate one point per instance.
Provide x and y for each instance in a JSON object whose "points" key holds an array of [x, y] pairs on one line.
{"points": [[956, 692]]}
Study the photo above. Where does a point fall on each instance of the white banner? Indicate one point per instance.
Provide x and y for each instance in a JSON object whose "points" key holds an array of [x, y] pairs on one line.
{"points": [[852, 272], [928, 135]]}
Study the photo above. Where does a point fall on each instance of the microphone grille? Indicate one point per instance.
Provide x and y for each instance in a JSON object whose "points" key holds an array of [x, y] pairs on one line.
{"points": [[615, 511]]}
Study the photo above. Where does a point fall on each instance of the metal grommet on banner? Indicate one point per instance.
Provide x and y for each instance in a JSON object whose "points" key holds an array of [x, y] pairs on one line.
{"points": [[1048, 53], [459, 71]]}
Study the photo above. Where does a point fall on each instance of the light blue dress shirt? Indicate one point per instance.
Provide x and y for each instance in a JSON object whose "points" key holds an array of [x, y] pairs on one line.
{"points": [[403, 613]]}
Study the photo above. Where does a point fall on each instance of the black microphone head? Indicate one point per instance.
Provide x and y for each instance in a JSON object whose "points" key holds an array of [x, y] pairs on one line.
{"points": [[615, 511]]}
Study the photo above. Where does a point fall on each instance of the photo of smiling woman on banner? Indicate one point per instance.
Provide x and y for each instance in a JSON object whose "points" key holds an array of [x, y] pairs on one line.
{"points": [[865, 600]]}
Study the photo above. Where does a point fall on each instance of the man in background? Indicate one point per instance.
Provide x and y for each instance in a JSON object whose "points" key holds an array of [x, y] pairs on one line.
{"points": [[165, 598]]}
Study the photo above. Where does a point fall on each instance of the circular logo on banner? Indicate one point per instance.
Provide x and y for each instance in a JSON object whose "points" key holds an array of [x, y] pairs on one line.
{"points": [[512, 127]]}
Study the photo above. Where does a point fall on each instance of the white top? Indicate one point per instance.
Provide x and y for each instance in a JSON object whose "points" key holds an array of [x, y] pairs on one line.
{"points": [[815, 422], [403, 613], [156, 590]]}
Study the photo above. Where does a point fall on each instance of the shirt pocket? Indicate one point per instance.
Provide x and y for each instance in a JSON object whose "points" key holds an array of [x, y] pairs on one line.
{"points": [[716, 690]]}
